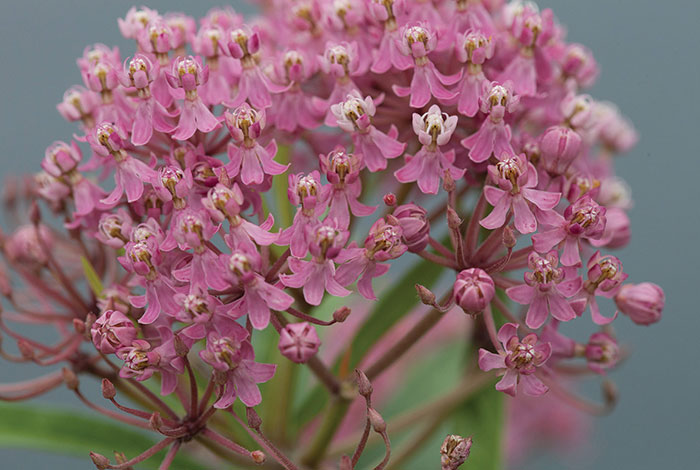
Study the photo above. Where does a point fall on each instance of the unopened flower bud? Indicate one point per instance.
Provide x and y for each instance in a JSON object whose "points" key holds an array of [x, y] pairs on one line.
{"points": [[454, 451], [376, 421], [181, 348], [426, 296], [416, 228], [448, 182], [298, 342], [258, 456], [340, 315], [364, 387], [108, 390], [453, 220], [559, 147], [254, 421], [71, 380], [473, 290], [25, 349], [602, 352], [100, 461], [509, 238], [390, 199], [643, 303], [156, 422], [79, 326]]}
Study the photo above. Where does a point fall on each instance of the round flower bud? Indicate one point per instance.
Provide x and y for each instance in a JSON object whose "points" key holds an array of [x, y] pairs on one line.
{"points": [[112, 330], [643, 302], [559, 147], [473, 290], [298, 342], [602, 352], [414, 223]]}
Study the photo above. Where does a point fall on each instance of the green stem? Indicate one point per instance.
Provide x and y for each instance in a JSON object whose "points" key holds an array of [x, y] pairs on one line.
{"points": [[331, 422]]}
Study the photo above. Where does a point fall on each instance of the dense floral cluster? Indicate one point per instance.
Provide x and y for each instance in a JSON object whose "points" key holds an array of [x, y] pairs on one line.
{"points": [[454, 131]]}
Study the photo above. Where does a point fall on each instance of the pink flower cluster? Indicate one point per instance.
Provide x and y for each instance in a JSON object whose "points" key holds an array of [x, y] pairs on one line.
{"points": [[439, 112]]}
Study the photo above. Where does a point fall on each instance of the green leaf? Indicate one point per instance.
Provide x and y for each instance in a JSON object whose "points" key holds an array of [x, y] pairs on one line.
{"points": [[68, 432], [483, 418], [93, 279]]}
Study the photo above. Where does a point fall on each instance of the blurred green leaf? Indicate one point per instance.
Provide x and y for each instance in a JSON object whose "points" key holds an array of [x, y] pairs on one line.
{"points": [[483, 418], [93, 279], [68, 432]]}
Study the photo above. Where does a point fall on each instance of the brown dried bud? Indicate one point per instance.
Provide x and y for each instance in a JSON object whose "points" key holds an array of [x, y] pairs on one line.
{"points": [[610, 392], [454, 451], [253, 418], [108, 390], [181, 348], [448, 182], [258, 456], [453, 220], [156, 421], [364, 387], [25, 349], [426, 296], [71, 380], [340, 315], [79, 326], [509, 239], [376, 420], [100, 461]]}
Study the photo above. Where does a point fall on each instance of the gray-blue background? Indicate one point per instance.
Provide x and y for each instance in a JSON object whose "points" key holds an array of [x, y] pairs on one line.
{"points": [[648, 51]]}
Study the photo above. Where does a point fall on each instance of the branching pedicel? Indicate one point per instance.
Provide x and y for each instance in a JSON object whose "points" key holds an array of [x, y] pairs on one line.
{"points": [[470, 108]]}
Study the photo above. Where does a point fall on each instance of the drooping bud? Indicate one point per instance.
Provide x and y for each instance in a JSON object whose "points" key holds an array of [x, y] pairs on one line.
{"points": [[426, 295], [602, 352], [643, 303], [453, 220], [340, 315], [155, 421], [376, 420], [70, 379], [454, 451], [509, 239], [108, 390], [298, 342], [345, 463], [473, 290]]}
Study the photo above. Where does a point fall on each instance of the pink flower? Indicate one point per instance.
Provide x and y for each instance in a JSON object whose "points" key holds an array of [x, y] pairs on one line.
{"points": [[417, 40], [473, 290], [429, 164], [233, 357], [584, 219], [602, 352], [545, 291], [298, 342], [341, 61], [382, 244], [605, 277], [473, 48], [150, 114], [249, 158], [643, 303], [294, 108], [186, 76], [253, 84], [520, 359], [318, 275], [389, 53], [493, 137], [304, 191], [342, 194], [112, 330], [517, 179], [242, 271], [354, 115]]}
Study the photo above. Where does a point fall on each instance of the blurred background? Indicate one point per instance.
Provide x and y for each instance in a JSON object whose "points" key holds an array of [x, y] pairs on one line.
{"points": [[648, 52]]}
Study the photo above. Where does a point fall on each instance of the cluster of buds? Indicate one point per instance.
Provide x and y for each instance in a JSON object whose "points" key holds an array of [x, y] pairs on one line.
{"points": [[467, 119]]}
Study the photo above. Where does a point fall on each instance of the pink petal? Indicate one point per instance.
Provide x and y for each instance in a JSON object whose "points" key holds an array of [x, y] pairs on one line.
{"points": [[522, 294], [509, 383], [538, 312], [497, 217], [489, 361], [545, 200], [532, 385], [559, 307], [524, 218]]}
